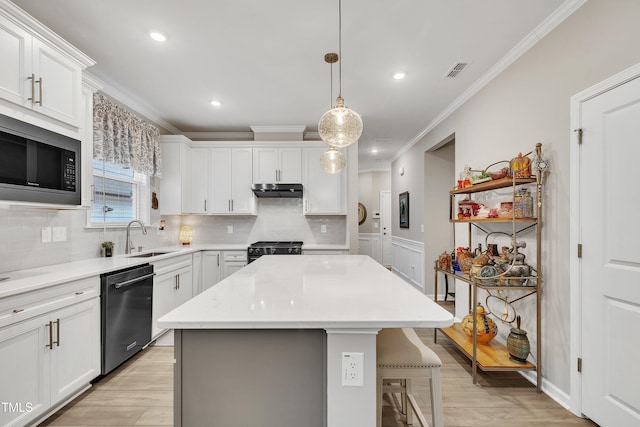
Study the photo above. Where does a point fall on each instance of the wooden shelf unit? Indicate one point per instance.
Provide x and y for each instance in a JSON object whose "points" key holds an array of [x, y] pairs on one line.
{"points": [[494, 356]]}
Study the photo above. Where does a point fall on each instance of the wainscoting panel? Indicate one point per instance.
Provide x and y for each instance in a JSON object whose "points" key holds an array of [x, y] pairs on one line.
{"points": [[408, 260], [369, 244]]}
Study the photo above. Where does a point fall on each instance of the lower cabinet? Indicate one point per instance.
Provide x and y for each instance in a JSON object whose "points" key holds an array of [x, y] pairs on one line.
{"points": [[172, 286], [211, 269], [46, 359], [233, 261]]}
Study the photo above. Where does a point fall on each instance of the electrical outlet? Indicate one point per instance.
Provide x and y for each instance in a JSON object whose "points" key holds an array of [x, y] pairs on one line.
{"points": [[353, 369], [323, 228], [59, 234], [229, 229], [45, 233]]}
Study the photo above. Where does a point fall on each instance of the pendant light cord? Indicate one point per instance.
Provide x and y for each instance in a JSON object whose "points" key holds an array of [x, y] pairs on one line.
{"points": [[340, 48]]}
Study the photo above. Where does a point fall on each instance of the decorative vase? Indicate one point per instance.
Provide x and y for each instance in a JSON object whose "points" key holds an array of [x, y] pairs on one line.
{"points": [[108, 252], [486, 328], [518, 344]]}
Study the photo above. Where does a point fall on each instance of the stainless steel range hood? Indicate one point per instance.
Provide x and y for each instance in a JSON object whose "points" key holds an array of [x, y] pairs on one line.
{"points": [[278, 190]]}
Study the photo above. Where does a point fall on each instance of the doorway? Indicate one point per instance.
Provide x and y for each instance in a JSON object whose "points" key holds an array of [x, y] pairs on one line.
{"points": [[606, 271], [385, 228], [439, 178]]}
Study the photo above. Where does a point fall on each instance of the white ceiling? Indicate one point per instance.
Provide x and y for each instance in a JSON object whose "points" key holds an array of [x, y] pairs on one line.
{"points": [[264, 59]]}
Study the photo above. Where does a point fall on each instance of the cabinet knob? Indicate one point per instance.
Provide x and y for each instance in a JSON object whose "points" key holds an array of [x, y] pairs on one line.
{"points": [[18, 310]]}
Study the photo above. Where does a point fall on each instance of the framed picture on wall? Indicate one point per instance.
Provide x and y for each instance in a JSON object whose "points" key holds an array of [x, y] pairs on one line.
{"points": [[404, 210]]}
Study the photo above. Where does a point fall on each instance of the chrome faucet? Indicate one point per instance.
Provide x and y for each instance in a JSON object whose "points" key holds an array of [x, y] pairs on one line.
{"points": [[129, 244]]}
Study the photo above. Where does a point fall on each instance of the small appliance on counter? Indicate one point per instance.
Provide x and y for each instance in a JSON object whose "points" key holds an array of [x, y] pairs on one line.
{"points": [[257, 249]]}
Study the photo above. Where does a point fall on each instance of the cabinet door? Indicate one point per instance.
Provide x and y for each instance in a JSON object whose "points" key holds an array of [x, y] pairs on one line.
{"points": [[198, 199], [323, 193], [265, 165], [24, 371], [60, 84], [242, 198], [231, 267], [211, 269], [164, 287], [196, 262], [290, 165], [174, 184], [15, 51], [76, 352], [184, 290], [220, 178]]}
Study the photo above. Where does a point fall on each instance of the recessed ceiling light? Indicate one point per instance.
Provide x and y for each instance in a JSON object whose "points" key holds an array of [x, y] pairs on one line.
{"points": [[400, 75], [159, 37], [374, 150], [216, 103]]}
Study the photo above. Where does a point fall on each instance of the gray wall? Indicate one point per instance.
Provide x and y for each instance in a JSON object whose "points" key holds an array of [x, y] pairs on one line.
{"points": [[529, 103]]}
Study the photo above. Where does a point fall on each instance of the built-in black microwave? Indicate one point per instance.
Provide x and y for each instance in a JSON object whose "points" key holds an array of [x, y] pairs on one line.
{"points": [[37, 165]]}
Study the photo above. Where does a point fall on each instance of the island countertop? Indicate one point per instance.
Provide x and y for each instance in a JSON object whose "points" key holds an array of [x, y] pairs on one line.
{"points": [[309, 291]]}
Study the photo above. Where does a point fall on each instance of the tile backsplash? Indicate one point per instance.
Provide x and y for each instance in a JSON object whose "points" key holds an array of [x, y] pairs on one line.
{"points": [[277, 219]]}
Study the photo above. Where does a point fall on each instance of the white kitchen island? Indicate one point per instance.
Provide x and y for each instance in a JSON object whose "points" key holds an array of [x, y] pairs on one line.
{"points": [[265, 346]]}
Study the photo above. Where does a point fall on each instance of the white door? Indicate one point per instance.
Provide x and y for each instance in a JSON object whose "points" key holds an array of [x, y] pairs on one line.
{"points": [[211, 269], [385, 228], [610, 265]]}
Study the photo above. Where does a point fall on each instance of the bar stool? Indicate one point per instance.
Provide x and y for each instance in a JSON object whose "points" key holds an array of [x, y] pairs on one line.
{"points": [[401, 357]]}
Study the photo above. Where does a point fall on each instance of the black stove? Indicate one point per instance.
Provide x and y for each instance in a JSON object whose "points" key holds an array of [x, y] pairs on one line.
{"points": [[257, 249]]}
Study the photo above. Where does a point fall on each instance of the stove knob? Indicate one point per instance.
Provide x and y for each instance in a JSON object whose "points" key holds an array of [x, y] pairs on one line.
{"points": [[290, 250], [250, 250]]}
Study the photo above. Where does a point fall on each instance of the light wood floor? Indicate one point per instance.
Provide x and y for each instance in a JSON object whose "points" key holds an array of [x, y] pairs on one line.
{"points": [[139, 393]]}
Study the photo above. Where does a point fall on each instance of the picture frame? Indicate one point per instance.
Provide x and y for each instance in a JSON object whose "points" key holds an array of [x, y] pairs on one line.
{"points": [[404, 209]]}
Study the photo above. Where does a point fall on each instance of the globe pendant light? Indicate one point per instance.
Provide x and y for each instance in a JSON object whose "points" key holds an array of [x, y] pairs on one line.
{"points": [[332, 161], [340, 126]]}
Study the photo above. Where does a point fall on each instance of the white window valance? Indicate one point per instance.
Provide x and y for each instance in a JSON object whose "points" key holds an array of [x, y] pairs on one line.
{"points": [[120, 137]]}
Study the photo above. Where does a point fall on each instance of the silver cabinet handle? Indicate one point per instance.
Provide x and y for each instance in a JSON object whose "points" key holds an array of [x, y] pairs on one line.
{"points": [[231, 205], [50, 325], [205, 205], [218, 260], [39, 81], [32, 77], [79, 292], [57, 322], [18, 310]]}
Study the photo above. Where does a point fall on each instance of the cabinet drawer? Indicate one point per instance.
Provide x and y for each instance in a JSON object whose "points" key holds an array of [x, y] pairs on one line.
{"points": [[235, 255], [24, 306], [171, 264]]}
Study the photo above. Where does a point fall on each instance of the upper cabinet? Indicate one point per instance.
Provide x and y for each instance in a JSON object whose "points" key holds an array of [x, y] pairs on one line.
{"points": [[174, 186], [220, 181], [324, 194], [271, 165], [37, 74]]}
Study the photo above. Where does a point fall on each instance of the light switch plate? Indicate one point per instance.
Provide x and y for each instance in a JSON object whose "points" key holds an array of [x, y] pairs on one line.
{"points": [[323, 228], [230, 229], [45, 233]]}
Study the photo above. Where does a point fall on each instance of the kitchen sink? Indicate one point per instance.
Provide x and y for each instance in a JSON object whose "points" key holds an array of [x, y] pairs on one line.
{"points": [[148, 254]]}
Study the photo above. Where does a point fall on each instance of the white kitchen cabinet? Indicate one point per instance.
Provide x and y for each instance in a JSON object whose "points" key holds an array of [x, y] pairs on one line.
{"points": [[50, 348], [172, 286], [196, 264], [233, 261], [211, 269], [200, 181], [230, 181], [271, 165], [324, 194], [174, 185], [38, 77]]}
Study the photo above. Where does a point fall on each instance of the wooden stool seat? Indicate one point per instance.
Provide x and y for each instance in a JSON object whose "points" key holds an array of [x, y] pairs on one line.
{"points": [[401, 357]]}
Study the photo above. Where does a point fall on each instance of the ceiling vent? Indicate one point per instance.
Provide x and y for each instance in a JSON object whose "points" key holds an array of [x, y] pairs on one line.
{"points": [[456, 69]]}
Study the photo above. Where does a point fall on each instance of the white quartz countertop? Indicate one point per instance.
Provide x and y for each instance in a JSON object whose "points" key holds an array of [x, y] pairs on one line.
{"points": [[317, 291], [41, 277]]}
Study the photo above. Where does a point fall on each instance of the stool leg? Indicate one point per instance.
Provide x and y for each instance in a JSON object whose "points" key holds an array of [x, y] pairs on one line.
{"points": [[436, 398], [379, 398], [407, 409]]}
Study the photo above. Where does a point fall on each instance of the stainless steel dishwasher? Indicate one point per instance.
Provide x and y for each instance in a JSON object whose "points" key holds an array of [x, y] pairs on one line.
{"points": [[126, 301]]}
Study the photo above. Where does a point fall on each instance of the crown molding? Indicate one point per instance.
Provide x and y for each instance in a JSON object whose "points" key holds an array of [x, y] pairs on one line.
{"points": [[551, 22], [278, 129], [44, 33], [219, 136], [118, 94]]}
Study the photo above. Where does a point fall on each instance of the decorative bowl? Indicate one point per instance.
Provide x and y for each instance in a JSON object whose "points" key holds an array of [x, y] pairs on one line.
{"points": [[499, 174]]}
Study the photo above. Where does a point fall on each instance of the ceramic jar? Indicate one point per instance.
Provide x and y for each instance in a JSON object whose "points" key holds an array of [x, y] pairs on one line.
{"points": [[486, 328], [518, 344]]}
